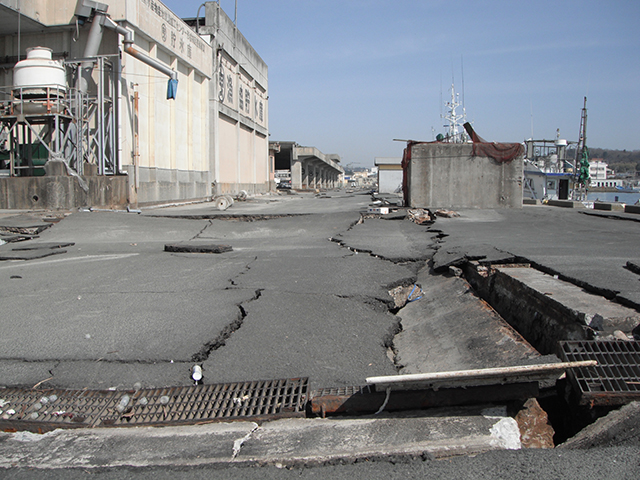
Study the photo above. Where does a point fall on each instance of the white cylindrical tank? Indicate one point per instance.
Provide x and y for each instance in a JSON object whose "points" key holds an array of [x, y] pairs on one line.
{"points": [[39, 71]]}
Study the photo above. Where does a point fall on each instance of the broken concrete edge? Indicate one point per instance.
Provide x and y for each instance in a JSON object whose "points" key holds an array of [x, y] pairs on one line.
{"points": [[619, 427], [197, 248], [614, 215], [28, 230], [31, 254], [43, 246], [463, 260], [230, 217]]}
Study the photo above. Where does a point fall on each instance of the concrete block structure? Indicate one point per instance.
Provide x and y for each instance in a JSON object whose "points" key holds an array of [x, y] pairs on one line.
{"points": [[309, 167], [206, 138], [463, 175]]}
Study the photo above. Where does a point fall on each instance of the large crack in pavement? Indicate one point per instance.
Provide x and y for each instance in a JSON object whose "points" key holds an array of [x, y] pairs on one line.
{"points": [[225, 333]]}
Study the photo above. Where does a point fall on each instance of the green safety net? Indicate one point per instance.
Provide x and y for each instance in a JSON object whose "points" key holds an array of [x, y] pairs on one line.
{"points": [[583, 176]]}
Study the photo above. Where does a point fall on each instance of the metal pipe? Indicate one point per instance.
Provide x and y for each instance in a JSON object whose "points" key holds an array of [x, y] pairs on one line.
{"points": [[153, 63], [130, 49], [475, 377], [91, 50], [198, 18]]}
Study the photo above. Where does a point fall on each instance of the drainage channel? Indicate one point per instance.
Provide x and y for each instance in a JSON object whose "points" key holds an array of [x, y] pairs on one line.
{"points": [[615, 380], [45, 410], [563, 319]]}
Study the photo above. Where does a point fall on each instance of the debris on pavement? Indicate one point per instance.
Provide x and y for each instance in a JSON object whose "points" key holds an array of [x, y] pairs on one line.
{"points": [[420, 216], [380, 210], [535, 429], [197, 248], [223, 202], [404, 294], [446, 213]]}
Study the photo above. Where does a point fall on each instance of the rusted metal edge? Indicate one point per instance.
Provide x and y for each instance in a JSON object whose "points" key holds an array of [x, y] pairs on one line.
{"points": [[607, 398], [478, 377], [366, 401]]}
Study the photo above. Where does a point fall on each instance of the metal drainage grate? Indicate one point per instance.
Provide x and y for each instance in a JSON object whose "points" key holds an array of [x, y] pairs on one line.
{"points": [[342, 391], [43, 410], [616, 378]]}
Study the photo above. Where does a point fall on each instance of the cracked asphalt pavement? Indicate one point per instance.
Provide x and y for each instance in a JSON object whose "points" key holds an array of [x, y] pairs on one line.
{"points": [[304, 292]]}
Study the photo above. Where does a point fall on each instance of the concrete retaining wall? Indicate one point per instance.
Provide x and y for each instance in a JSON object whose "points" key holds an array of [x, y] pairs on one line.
{"points": [[235, 188], [58, 192], [157, 185], [447, 175], [540, 320]]}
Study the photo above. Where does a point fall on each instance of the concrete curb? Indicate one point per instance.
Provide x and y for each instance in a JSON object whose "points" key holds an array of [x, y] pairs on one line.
{"points": [[287, 442]]}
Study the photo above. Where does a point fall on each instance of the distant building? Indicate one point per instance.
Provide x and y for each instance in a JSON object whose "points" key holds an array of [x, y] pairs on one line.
{"points": [[389, 174], [308, 167], [601, 174]]}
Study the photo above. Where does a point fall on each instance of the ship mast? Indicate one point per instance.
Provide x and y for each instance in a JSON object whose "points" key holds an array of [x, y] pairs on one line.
{"points": [[456, 131], [581, 164]]}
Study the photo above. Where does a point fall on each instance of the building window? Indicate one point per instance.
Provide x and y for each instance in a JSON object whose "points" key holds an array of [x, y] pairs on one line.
{"points": [[230, 88], [247, 100], [260, 112], [240, 97]]}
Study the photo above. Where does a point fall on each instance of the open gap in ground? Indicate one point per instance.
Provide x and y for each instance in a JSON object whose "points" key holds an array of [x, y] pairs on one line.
{"points": [[233, 217], [543, 322]]}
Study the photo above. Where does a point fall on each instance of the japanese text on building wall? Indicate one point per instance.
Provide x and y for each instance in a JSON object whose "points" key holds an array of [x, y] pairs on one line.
{"points": [[177, 28]]}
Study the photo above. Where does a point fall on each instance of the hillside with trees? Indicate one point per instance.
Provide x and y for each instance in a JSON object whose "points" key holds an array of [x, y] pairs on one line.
{"points": [[620, 161]]}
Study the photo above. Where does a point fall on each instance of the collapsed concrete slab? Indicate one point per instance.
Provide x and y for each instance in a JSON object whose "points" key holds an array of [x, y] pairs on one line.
{"points": [[463, 331], [620, 427]]}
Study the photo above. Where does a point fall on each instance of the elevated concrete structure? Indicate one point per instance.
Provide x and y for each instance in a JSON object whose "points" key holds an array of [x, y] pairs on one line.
{"points": [[310, 168]]}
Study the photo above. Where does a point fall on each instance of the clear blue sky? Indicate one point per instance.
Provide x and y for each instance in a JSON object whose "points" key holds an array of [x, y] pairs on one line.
{"points": [[349, 76]]}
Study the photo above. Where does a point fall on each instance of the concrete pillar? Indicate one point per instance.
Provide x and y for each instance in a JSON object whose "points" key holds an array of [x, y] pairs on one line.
{"points": [[305, 174], [296, 174]]}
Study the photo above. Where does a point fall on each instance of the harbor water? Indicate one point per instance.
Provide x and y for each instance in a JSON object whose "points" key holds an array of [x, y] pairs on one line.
{"points": [[627, 198]]}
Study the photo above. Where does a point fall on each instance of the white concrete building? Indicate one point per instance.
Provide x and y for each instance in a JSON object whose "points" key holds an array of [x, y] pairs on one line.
{"points": [[600, 175], [389, 174], [239, 108], [211, 138]]}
